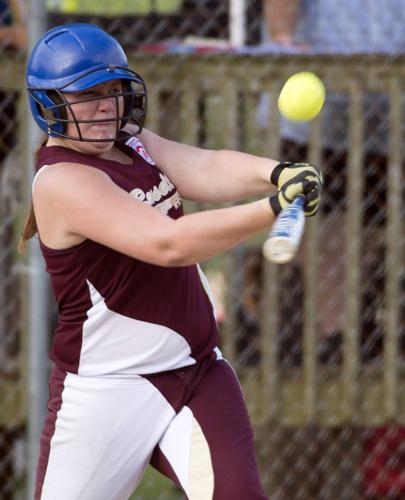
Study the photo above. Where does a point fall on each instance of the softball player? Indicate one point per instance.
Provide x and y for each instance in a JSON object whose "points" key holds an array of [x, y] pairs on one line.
{"points": [[138, 377]]}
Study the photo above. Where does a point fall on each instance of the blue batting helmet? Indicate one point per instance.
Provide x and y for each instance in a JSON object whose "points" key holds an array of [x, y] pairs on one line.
{"points": [[72, 58]]}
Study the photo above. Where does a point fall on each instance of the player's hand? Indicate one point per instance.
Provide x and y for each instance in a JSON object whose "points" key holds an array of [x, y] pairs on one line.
{"points": [[293, 179], [287, 194]]}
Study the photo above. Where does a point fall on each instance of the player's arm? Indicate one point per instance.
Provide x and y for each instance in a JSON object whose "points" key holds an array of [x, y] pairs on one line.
{"points": [[77, 200], [210, 176]]}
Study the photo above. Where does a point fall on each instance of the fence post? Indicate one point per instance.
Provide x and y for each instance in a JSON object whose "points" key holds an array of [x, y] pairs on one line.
{"points": [[38, 315]]}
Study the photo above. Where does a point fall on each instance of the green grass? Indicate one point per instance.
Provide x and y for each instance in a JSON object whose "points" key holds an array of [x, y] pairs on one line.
{"points": [[155, 486]]}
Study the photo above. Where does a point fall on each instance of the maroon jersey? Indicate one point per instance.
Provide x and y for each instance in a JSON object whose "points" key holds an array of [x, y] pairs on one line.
{"points": [[118, 314]]}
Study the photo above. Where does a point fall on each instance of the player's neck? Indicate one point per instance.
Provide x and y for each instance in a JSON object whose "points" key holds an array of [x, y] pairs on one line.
{"points": [[112, 154], [115, 154]]}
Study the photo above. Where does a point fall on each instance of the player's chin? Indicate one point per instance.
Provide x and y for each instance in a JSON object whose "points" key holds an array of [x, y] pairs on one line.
{"points": [[93, 145], [103, 139], [102, 132]]}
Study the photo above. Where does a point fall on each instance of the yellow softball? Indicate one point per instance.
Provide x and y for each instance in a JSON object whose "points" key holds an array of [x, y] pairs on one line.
{"points": [[301, 97]]}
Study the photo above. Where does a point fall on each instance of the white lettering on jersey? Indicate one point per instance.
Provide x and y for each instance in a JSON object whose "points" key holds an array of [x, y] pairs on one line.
{"points": [[154, 195], [136, 145], [173, 201]]}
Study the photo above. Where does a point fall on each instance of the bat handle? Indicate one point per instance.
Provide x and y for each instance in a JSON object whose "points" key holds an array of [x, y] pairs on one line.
{"points": [[285, 235]]}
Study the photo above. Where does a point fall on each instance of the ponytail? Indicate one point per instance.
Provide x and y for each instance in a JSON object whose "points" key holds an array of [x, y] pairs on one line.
{"points": [[30, 226]]}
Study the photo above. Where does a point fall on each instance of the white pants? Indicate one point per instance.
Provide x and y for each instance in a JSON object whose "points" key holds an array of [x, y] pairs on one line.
{"points": [[191, 424], [122, 419]]}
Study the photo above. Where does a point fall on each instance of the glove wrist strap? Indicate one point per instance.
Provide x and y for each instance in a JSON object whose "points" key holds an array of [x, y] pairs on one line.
{"points": [[275, 205], [275, 174]]}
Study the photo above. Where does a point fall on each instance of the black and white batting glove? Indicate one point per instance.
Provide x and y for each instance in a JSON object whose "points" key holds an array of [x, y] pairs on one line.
{"points": [[286, 195], [293, 179]]}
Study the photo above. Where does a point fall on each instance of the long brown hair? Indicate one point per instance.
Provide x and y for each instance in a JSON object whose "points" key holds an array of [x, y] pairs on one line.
{"points": [[30, 226]]}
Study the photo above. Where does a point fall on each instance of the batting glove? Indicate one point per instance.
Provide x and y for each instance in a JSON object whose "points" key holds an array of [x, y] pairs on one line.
{"points": [[293, 179]]}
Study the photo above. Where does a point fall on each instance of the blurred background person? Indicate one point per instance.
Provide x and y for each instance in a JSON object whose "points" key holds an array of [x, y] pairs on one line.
{"points": [[13, 38], [13, 24], [348, 27], [383, 464], [358, 27]]}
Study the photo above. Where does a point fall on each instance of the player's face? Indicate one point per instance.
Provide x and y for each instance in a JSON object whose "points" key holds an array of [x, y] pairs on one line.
{"points": [[92, 106]]}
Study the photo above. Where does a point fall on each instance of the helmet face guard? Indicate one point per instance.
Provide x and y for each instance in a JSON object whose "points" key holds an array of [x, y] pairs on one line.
{"points": [[53, 106], [73, 58]]}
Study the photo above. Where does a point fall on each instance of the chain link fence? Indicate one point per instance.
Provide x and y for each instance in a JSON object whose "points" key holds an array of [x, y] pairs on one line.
{"points": [[319, 344]]}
